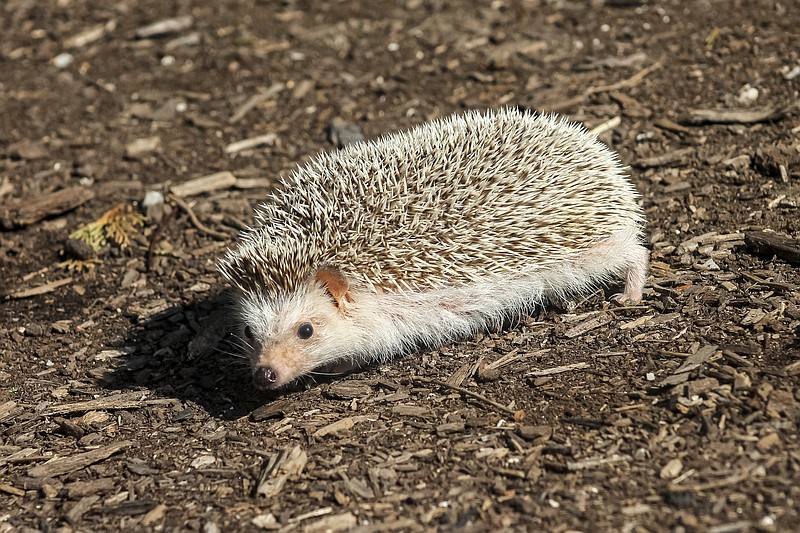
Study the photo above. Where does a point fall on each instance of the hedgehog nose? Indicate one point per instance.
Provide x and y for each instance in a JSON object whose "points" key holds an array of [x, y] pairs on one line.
{"points": [[264, 377]]}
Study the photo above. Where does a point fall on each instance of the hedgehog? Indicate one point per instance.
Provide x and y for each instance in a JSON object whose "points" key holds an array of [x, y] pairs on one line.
{"points": [[429, 236]]}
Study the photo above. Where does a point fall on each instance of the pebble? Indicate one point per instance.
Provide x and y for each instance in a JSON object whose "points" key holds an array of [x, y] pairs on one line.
{"points": [[78, 249], [747, 95], [153, 205], [341, 133], [203, 461], [129, 278], [63, 60], [266, 521], [33, 330]]}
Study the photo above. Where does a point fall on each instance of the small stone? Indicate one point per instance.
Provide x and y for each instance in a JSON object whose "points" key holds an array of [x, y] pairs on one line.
{"points": [[153, 205], [203, 461], [211, 527], [266, 521], [78, 249], [129, 278], [748, 95], [541, 433], [34, 330], [63, 60], [341, 133]]}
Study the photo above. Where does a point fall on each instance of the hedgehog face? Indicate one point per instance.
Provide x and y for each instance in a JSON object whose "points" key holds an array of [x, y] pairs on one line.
{"points": [[290, 335]]}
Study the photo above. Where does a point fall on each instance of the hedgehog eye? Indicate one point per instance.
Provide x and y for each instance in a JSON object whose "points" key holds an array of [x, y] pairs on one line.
{"points": [[305, 330], [248, 332]]}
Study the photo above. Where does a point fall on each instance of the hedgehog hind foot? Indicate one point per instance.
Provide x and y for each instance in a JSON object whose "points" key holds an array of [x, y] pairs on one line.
{"points": [[638, 258]]}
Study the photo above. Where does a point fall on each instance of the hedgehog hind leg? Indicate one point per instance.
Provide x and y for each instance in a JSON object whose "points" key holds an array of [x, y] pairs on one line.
{"points": [[621, 254], [637, 260]]}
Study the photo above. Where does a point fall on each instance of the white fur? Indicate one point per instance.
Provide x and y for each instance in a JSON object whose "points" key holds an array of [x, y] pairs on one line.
{"points": [[377, 326]]}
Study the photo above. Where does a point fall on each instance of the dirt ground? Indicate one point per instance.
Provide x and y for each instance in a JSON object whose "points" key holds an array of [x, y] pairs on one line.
{"points": [[123, 407]]}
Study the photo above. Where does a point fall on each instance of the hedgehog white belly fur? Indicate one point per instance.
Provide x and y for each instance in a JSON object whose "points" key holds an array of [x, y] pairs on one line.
{"points": [[428, 236]]}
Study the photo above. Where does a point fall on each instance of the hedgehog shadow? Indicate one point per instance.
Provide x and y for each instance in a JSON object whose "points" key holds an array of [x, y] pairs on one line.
{"points": [[188, 352]]}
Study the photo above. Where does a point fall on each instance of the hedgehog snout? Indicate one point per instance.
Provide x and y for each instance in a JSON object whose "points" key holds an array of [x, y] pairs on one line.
{"points": [[265, 377]]}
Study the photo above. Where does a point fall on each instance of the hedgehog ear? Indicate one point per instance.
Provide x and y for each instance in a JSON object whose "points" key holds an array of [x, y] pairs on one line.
{"points": [[335, 282]]}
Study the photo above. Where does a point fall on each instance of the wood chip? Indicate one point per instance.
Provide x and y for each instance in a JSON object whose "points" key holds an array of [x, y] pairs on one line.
{"points": [[276, 409], [279, 468], [558, 369], [597, 461], [79, 489], [9, 489], [40, 289], [58, 466], [156, 514], [254, 183], [764, 243], [24, 212], [339, 522], [335, 427], [349, 389], [681, 374], [671, 469], [463, 372], [588, 325], [609, 124], [410, 410], [6, 408], [211, 182], [75, 514], [667, 124]]}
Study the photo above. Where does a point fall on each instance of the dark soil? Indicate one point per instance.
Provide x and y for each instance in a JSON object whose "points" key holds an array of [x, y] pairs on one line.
{"points": [[121, 406]]}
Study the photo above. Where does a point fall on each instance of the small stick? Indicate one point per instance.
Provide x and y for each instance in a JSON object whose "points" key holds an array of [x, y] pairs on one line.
{"points": [[628, 83], [624, 84], [609, 124], [518, 415], [41, 289], [196, 221]]}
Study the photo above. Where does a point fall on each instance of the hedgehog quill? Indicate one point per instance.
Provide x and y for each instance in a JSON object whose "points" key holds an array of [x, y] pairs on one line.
{"points": [[429, 236]]}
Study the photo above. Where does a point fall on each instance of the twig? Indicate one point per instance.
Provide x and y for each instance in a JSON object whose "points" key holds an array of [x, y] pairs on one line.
{"points": [[518, 415], [41, 289], [196, 221], [628, 83], [609, 124], [624, 84]]}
